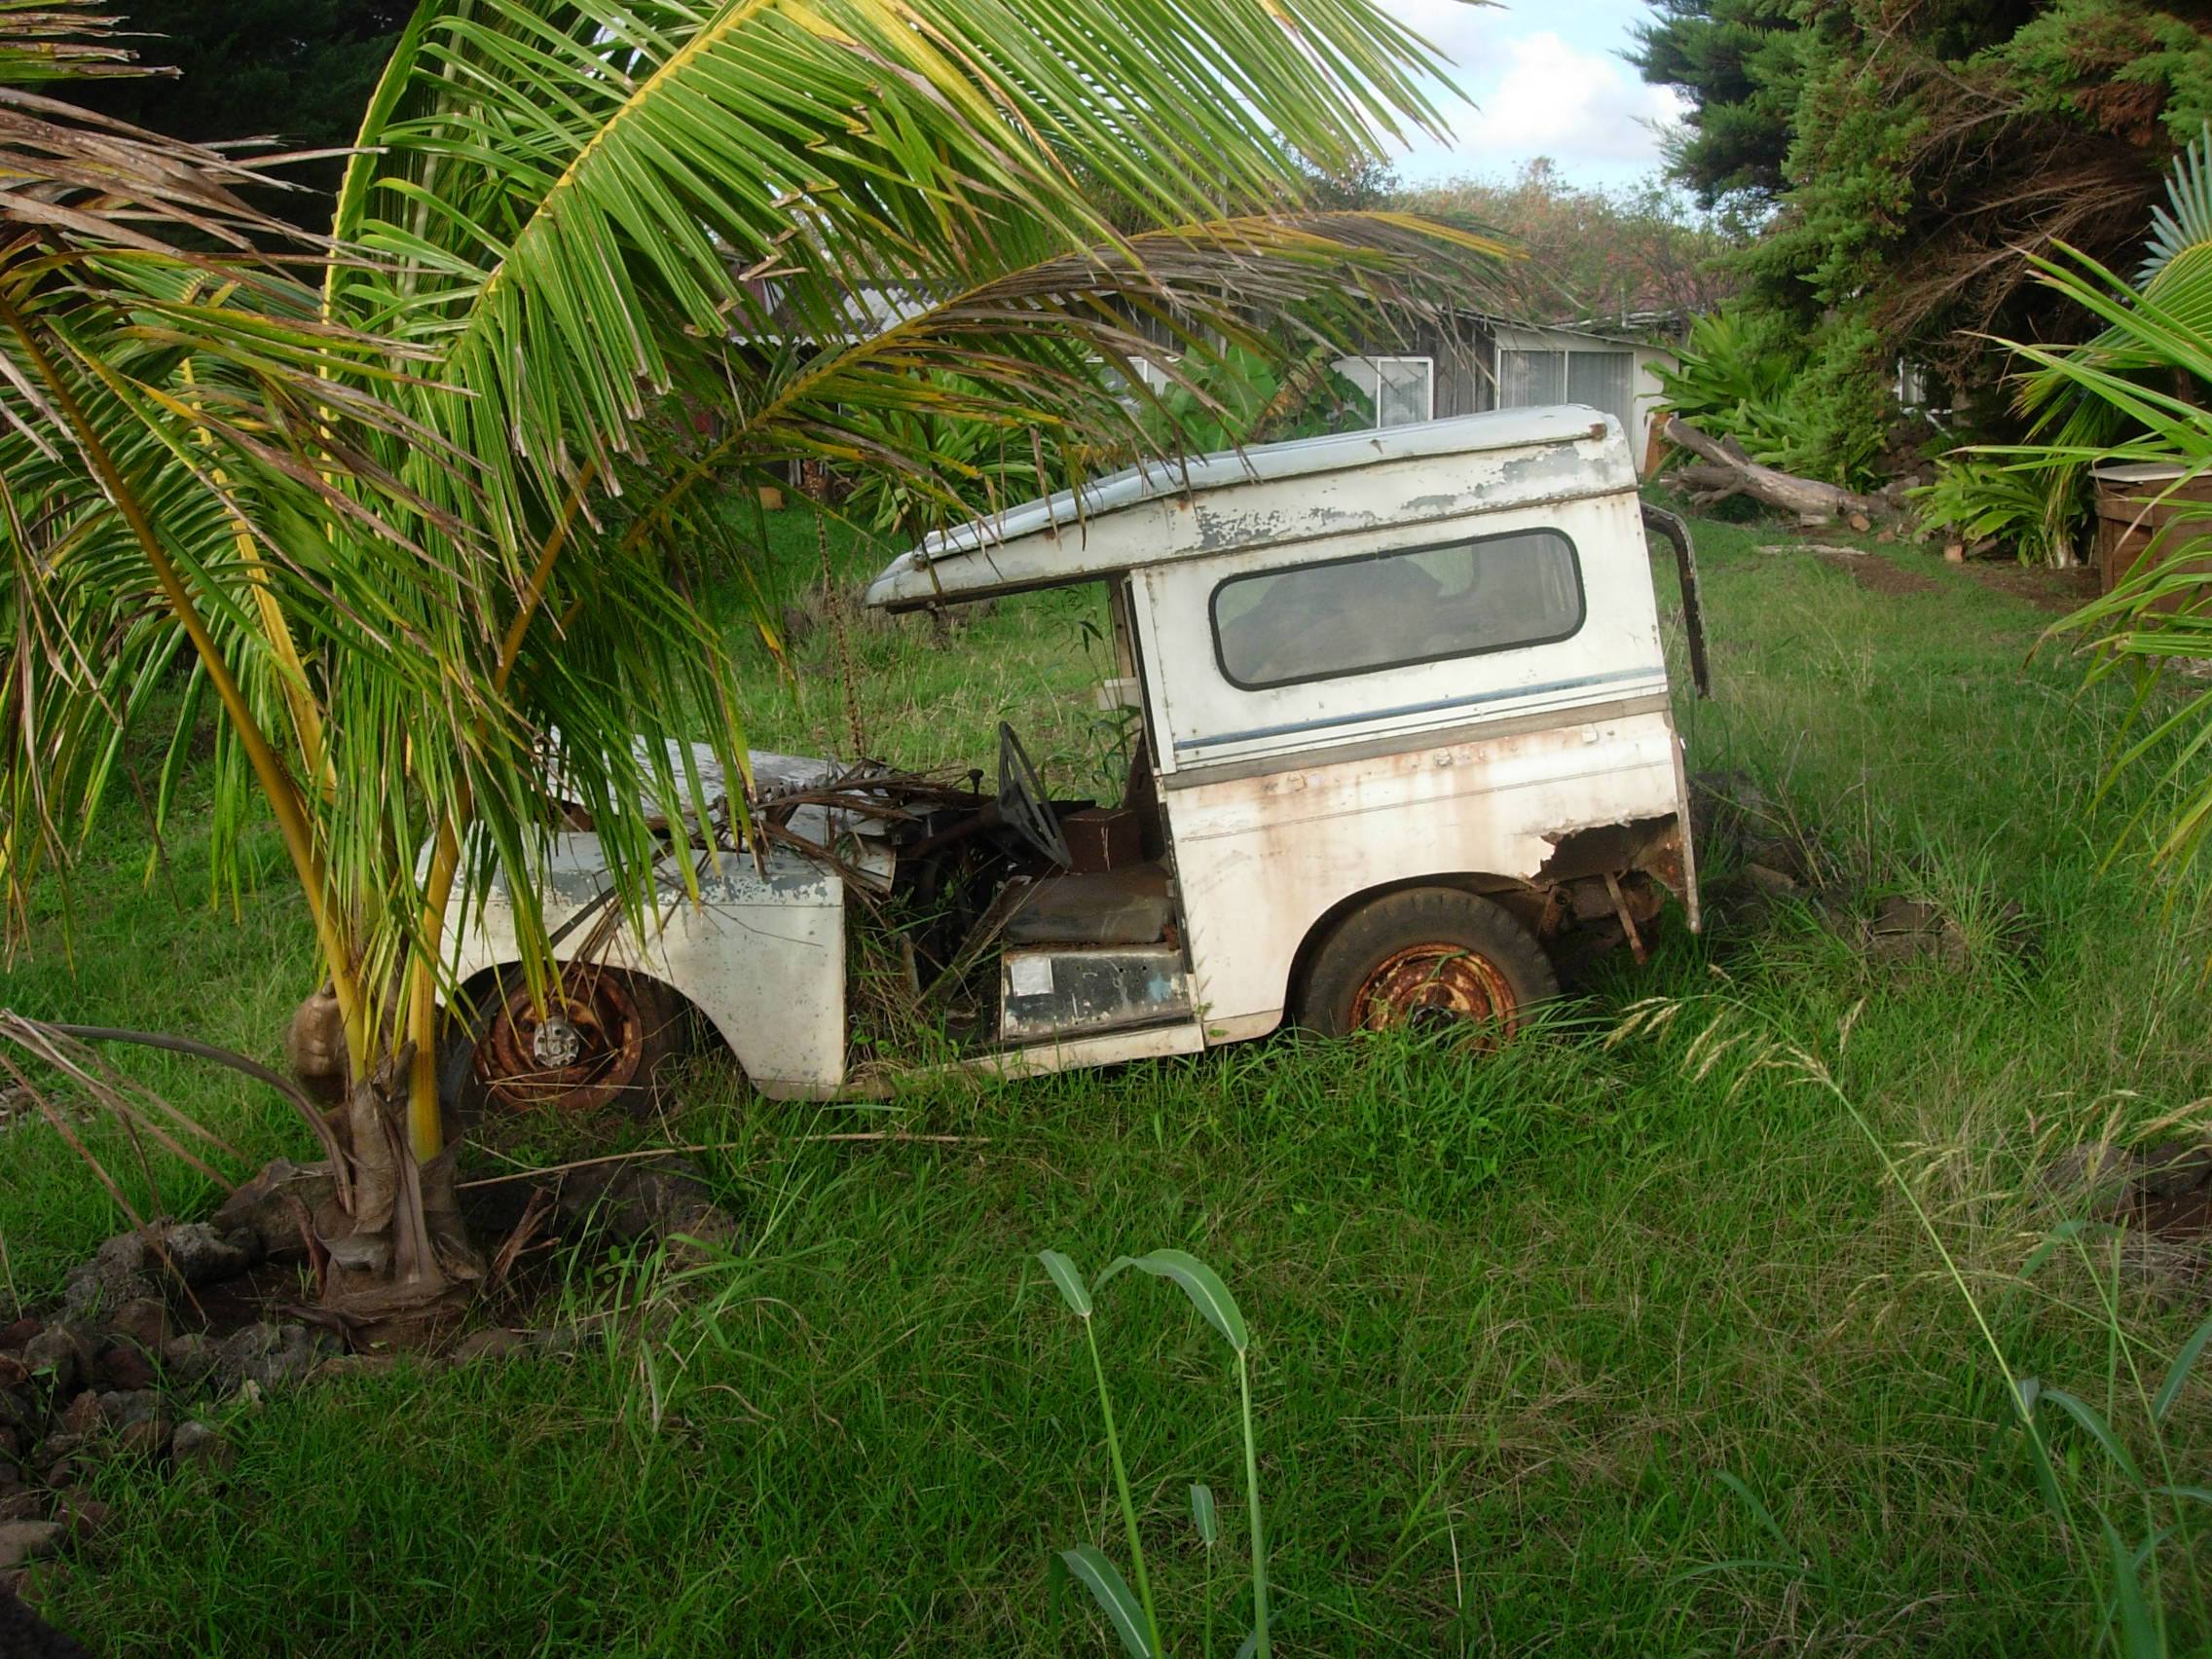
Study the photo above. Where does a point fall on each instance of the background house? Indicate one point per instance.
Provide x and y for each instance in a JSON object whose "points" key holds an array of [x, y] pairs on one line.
{"points": [[1485, 362]]}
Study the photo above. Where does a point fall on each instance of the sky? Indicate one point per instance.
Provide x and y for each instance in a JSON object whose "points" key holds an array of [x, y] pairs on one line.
{"points": [[1545, 78]]}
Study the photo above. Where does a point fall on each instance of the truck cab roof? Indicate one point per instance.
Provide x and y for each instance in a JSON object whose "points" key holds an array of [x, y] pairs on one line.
{"points": [[1268, 494]]}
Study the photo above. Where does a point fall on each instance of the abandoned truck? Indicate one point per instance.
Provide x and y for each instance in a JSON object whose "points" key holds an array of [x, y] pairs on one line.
{"points": [[1403, 750]]}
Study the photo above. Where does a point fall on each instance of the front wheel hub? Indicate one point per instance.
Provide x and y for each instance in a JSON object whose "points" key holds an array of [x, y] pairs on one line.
{"points": [[557, 1043], [577, 1051], [1435, 987]]}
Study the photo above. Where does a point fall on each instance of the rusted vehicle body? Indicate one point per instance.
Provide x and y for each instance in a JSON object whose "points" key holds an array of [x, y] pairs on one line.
{"points": [[1403, 750]]}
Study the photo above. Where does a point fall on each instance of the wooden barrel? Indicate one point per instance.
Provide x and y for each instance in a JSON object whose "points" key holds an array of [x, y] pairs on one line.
{"points": [[2135, 503]]}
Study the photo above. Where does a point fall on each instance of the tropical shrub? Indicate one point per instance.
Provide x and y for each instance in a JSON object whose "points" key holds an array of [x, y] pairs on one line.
{"points": [[2038, 512], [1219, 400], [2131, 396], [1734, 378]]}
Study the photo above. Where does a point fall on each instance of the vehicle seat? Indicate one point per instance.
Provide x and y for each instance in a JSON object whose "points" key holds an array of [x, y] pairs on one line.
{"points": [[1131, 906]]}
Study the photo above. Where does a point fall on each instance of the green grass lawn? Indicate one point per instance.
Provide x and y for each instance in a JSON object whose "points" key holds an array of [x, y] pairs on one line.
{"points": [[1623, 1341]]}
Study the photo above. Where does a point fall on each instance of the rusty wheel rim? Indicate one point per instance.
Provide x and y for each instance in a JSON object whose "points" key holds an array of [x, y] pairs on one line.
{"points": [[577, 1053], [1436, 987]]}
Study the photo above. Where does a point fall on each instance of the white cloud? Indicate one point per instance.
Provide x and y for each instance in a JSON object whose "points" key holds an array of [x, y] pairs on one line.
{"points": [[1514, 91], [1568, 105]]}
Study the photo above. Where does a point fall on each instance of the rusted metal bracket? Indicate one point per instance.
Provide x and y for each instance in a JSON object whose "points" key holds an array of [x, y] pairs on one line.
{"points": [[1627, 921], [1671, 525]]}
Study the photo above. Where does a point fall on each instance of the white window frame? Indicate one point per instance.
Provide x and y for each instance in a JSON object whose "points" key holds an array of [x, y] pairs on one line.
{"points": [[1374, 366]]}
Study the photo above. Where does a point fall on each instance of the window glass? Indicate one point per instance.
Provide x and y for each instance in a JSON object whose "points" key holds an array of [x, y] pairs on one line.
{"points": [[1601, 380], [1402, 389], [1394, 609], [1529, 379]]}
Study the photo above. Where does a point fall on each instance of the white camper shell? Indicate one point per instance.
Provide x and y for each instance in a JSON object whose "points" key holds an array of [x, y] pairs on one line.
{"points": [[1404, 750]]}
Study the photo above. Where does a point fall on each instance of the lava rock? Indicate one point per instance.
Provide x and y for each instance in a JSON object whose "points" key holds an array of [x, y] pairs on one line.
{"points": [[14, 1336], [149, 1437], [20, 1504], [145, 1322], [82, 1518], [125, 1366], [267, 1209], [23, 1635], [202, 1254], [117, 1274], [13, 1373], [55, 1354], [28, 1541], [81, 1417], [120, 1408], [271, 1356], [199, 1444], [188, 1359]]}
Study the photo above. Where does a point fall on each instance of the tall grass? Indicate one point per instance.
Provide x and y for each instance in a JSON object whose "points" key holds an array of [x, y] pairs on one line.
{"points": [[1520, 1318]]}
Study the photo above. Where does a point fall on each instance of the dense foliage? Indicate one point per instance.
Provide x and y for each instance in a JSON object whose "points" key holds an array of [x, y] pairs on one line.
{"points": [[299, 71], [1731, 385], [1595, 254], [1911, 155]]}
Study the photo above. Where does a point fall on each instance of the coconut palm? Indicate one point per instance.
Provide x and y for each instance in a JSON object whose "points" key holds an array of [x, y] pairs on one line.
{"points": [[809, 216], [578, 222]]}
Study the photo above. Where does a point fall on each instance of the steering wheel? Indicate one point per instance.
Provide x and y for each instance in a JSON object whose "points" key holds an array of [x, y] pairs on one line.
{"points": [[1022, 806]]}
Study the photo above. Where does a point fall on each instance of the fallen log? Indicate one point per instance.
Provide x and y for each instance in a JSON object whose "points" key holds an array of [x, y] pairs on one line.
{"points": [[1728, 471]]}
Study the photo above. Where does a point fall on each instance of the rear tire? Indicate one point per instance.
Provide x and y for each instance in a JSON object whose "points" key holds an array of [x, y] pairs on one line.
{"points": [[1428, 957], [599, 1043]]}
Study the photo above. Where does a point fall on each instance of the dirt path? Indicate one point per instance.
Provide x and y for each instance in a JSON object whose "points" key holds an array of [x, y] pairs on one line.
{"points": [[1876, 575], [2046, 589]]}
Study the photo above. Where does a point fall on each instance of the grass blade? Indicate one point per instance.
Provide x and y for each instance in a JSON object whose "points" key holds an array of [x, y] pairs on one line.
{"points": [[1203, 1514], [1758, 1510], [2177, 1374], [1113, 1598], [2138, 1636], [1200, 1282], [2099, 1431], [1070, 1281]]}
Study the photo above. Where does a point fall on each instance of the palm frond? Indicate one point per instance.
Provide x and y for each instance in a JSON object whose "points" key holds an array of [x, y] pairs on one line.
{"points": [[2185, 221]]}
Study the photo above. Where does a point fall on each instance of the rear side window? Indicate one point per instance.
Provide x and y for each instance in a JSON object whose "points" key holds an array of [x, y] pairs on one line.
{"points": [[1395, 610]]}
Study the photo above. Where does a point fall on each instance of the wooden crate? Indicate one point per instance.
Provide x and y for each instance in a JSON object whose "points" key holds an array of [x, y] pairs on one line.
{"points": [[2134, 505]]}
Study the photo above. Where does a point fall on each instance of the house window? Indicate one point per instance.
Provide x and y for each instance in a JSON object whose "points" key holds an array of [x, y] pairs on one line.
{"points": [[1603, 380], [1494, 593], [1531, 380], [1402, 389], [1918, 388]]}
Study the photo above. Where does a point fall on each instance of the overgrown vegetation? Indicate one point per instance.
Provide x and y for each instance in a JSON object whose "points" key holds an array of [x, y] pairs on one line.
{"points": [[1909, 157], [1732, 381], [1627, 1335], [1622, 257]]}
